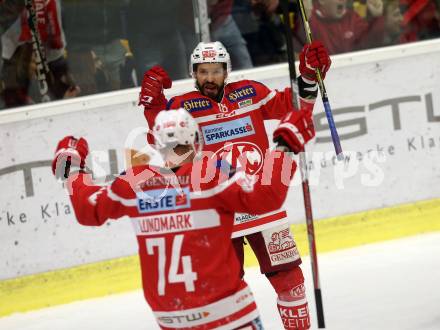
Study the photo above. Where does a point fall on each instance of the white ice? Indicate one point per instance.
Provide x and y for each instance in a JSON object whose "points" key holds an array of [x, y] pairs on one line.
{"points": [[389, 285]]}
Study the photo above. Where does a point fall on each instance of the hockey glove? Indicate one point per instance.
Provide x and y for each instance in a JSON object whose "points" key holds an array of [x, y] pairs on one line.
{"points": [[70, 152], [153, 83], [295, 130], [314, 56]]}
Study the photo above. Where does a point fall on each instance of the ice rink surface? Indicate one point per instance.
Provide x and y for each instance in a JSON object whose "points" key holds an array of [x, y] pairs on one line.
{"points": [[389, 285]]}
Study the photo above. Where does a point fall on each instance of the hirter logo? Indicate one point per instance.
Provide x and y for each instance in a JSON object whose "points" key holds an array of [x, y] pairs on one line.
{"points": [[245, 155], [196, 104], [245, 92], [209, 53]]}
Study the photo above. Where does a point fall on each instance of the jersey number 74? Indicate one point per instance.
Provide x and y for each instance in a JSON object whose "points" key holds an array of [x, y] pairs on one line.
{"points": [[188, 277]]}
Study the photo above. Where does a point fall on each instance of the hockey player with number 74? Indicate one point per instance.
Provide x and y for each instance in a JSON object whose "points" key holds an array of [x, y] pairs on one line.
{"points": [[190, 272], [231, 117]]}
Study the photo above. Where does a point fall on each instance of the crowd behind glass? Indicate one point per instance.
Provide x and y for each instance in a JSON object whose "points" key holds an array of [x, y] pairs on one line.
{"points": [[96, 46]]}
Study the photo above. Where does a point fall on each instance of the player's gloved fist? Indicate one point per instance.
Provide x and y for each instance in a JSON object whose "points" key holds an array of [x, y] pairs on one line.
{"points": [[314, 56], [153, 83], [70, 152], [295, 130]]}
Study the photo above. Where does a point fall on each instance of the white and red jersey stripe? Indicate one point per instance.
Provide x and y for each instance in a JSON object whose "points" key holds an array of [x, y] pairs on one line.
{"points": [[227, 313]]}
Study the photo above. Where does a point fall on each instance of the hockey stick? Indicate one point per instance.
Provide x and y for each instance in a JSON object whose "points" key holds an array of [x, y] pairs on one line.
{"points": [[325, 101], [40, 56], [304, 170]]}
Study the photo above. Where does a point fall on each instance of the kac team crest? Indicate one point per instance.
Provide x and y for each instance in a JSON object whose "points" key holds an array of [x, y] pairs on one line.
{"points": [[242, 155]]}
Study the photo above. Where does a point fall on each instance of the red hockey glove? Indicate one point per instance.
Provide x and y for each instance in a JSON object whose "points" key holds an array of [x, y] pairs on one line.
{"points": [[314, 56], [295, 130], [151, 95], [70, 152]]}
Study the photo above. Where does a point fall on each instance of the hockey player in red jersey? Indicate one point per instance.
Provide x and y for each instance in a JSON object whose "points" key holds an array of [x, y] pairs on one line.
{"points": [[190, 272], [231, 117]]}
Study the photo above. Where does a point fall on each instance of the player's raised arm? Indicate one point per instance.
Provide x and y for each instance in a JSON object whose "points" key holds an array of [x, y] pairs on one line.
{"points": [[151, 95], [313, 56], [93, 204]]}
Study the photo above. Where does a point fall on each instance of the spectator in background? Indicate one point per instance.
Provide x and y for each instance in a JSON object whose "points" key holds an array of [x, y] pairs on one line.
{"points": [[421, 19], [342, 30], [393, 23], [298, 32], [94, 30], [9, 11], [161, 32], [19, 71], [262, 30], [224, 29]]}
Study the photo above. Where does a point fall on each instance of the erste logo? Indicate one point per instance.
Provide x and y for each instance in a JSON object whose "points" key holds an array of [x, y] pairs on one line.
{"points": [[164, 199]]}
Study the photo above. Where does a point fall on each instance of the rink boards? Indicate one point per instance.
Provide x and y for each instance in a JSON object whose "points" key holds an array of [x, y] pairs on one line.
{"points": [[388, 116]]}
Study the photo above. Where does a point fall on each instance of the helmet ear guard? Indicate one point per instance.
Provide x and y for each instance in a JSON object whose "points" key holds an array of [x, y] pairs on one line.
{"points": [[210, 52]]}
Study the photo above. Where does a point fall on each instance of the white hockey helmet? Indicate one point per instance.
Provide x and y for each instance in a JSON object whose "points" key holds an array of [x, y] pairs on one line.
{"points": [[174, 127], [210, 52]]}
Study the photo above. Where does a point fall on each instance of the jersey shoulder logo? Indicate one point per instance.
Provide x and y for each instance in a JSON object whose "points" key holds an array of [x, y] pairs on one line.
{"points": [[242, 93], [197, 104]]}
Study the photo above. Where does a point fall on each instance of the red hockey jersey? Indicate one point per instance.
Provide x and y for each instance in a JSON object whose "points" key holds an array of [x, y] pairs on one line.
{"points": [[233, 130], [183, 223]]}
